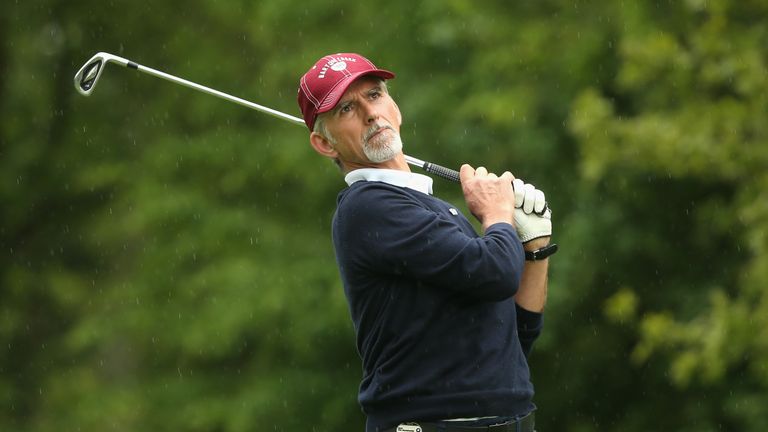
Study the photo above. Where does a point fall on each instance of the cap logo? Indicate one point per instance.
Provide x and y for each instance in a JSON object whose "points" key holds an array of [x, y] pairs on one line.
{"points": [[337, 64]]}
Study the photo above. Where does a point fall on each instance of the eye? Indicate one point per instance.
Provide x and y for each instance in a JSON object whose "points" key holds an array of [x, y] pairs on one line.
{"points": [[345, 108]]}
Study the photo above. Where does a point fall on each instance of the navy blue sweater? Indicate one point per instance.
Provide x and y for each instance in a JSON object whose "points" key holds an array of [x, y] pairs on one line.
{"points": [[438, 331]]}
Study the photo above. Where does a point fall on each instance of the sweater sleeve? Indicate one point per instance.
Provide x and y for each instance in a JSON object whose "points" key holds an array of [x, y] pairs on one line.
{"points": [[529, 326], [393, 233]]}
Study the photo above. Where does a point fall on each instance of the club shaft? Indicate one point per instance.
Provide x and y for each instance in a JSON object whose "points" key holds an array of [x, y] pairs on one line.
{"points": [[216, 93], [432, 168]]}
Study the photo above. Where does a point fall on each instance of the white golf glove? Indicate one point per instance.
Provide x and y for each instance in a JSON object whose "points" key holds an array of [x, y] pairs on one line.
{"points": [[533, 218]]}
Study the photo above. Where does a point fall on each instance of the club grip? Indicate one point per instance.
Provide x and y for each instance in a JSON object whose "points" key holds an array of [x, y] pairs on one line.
{"points": [[442, 171]]}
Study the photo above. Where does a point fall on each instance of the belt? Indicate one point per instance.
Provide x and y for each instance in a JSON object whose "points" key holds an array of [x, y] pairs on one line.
{"points": [[523, 424]]}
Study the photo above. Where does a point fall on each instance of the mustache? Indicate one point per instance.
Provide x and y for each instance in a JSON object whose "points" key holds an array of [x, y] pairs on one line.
{"points": [[375, 128]]}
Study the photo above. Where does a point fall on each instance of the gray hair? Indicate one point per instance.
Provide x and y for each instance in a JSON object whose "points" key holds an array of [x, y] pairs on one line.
{"points": [[321, 129]]}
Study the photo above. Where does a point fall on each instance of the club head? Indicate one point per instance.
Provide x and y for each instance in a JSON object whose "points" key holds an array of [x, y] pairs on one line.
{"points": [[88, 75]]}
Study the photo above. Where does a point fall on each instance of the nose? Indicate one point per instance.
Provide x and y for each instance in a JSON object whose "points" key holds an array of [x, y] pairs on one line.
{"points": [[371, 113]]}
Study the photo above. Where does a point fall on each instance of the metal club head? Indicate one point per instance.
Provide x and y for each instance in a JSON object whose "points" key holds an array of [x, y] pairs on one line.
{"points": [[88, 75]]}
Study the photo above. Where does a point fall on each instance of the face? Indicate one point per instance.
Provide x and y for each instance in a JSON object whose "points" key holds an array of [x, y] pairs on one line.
{"points": [[364, 127]]}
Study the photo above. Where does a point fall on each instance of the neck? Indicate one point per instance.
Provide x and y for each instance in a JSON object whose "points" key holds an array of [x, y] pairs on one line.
{"points": [[397, 163]]}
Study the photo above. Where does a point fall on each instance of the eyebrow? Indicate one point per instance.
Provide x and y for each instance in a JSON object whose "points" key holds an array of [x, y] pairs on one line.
{"points": [[379, 86], [338, 106]]}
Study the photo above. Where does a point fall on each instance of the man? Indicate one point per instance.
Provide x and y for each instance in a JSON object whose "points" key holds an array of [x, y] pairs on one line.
{"points": [[444, 318]]}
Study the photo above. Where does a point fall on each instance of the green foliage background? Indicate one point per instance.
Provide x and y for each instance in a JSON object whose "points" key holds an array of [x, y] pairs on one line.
{"points": [[165, 256]]}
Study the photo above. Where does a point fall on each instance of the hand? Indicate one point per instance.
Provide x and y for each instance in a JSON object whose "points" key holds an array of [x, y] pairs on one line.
{"points": [[533, 218], [489, 197]]}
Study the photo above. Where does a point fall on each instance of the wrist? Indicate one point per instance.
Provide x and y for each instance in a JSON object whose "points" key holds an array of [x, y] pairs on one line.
{"points": [[541, 254], [536, 243], [494, 219]]}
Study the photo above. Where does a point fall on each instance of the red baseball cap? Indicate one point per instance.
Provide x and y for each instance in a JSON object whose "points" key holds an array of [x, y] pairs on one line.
{"points": [[323, 85]]}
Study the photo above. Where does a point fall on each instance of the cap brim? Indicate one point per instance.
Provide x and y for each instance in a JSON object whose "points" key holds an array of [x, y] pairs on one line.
{"points": [[337, 92]]}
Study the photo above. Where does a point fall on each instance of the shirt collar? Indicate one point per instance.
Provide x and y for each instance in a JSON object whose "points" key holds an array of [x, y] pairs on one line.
{"points": [[398, 178]]}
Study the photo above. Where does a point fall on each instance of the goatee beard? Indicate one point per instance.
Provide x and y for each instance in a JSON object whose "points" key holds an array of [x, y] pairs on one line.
{"points": [[382, 148]]}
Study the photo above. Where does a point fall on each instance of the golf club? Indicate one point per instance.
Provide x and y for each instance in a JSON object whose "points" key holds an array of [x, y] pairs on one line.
{"points": [[88, 76]]}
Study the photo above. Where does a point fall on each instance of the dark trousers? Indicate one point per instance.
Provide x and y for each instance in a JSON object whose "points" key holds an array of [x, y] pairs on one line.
{"points": [[503, 424]]}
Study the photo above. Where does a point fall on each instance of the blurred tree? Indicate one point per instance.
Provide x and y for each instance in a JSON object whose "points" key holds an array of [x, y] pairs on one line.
{"points": [[674, 145]]}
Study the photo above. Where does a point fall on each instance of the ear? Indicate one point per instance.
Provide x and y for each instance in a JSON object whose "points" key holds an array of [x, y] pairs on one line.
{"points": [[322, 146], [399, 116]]}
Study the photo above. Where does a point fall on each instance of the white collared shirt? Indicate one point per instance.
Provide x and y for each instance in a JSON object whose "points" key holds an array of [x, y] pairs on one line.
{"points": [[418, 182]]}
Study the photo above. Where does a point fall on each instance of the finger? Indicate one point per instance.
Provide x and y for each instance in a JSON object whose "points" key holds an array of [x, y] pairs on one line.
{"points": [[508, 176], [518, 184], [506, 179], [540, 202], [481, 171], [466, 172], [529, 199]]}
